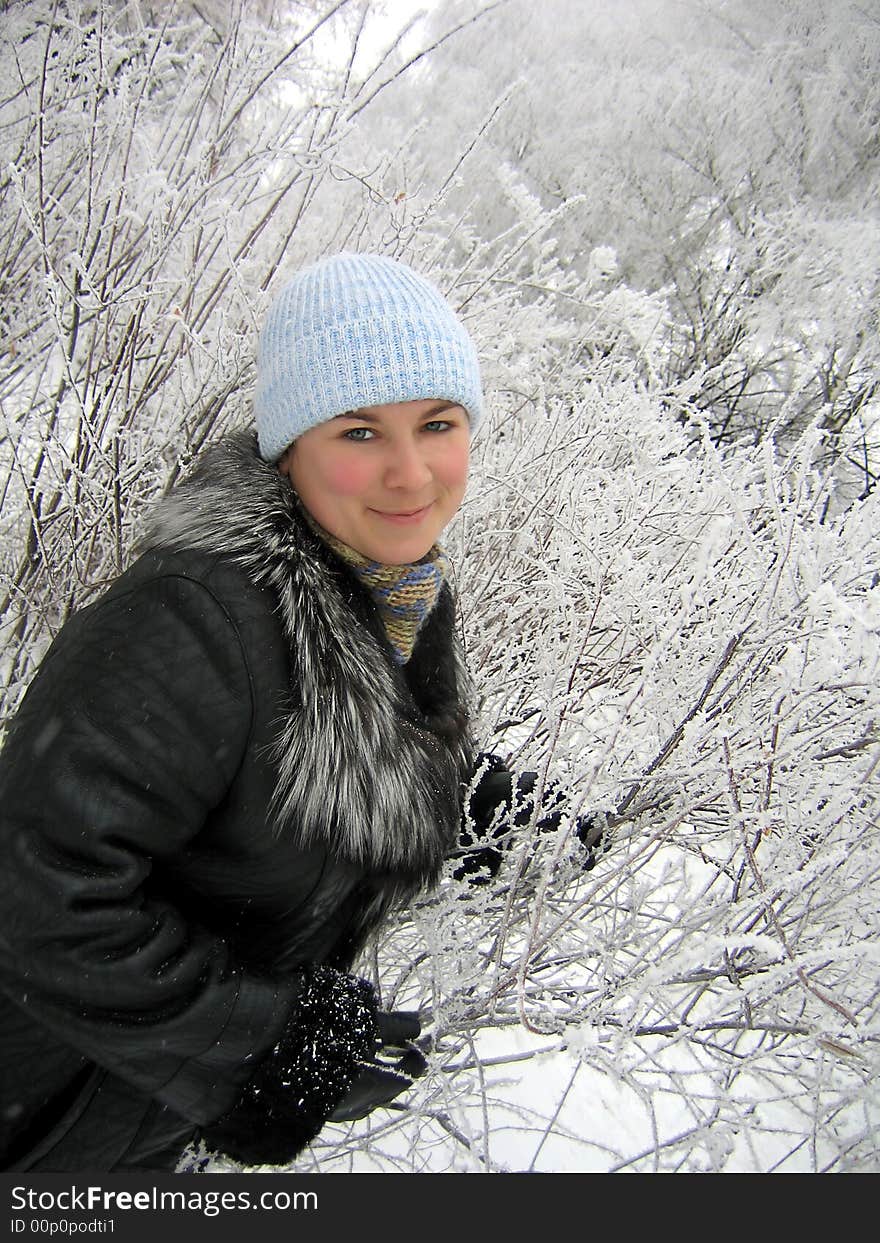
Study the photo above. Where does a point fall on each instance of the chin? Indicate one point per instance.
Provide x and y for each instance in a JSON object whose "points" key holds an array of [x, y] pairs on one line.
{"points": [[396, 547], [403, 548], [401, 554]]}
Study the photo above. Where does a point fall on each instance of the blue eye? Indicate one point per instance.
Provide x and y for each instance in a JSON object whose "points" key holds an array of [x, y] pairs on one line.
{"points": [[438, 425], [358, 434]]}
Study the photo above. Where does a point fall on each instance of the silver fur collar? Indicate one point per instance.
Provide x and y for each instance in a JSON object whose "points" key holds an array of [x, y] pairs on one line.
{"points": [[360, 770]]}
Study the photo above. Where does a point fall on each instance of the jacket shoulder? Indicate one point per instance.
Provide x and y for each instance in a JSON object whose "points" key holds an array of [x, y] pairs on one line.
{"points": [[219, 583], [216, 575]]}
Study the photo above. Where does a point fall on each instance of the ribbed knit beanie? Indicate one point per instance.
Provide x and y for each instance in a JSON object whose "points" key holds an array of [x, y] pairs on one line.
{"points": [[352, 331]]}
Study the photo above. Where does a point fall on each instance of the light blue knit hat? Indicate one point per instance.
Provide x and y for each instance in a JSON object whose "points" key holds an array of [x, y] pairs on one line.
{"points": [[358, 330]]}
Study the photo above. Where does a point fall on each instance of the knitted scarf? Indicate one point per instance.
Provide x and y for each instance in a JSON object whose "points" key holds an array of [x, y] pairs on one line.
{"points": [[404, 595]]}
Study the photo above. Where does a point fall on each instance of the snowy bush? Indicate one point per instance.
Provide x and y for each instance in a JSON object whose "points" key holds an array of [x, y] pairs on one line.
{"points": [[726, 152]]}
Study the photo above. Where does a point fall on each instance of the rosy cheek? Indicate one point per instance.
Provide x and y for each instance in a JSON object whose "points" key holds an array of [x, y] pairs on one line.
{"points": [[455, 464], [348, 478]]}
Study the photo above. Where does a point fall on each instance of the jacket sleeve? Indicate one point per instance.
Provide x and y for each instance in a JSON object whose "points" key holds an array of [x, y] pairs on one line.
{"points": [[129, 735]]}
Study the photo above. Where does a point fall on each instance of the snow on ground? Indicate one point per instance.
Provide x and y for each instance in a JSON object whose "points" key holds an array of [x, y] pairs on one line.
{"points": [[595, 1099]]}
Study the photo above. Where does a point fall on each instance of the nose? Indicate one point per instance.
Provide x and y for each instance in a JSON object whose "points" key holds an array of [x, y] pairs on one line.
{"points": [[406, 467]]}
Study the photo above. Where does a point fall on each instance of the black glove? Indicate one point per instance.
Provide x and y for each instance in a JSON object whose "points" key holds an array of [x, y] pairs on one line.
{"points": [[497, 805], [391, 1070], [590, 832], [589, 829], [486, 821], [396, 1028]]}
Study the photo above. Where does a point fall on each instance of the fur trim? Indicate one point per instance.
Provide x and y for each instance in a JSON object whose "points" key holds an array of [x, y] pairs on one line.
{"points": [[361, 770]]}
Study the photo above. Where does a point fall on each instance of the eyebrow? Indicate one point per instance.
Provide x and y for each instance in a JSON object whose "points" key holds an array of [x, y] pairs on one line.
{"points": [[365, 417]]}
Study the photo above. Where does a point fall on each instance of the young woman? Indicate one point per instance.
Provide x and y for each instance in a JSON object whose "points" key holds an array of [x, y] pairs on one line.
{"points": [[234, 764]]}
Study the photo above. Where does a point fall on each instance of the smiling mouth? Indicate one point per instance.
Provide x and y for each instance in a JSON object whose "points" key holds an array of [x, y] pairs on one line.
{"points": [[403, 516]]}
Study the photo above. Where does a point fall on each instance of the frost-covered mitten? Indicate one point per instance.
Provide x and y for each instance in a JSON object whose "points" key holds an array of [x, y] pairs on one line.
{"points": [[331, 1032]]}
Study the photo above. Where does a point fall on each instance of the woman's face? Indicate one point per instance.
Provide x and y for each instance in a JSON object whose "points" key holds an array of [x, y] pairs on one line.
{"points": [[385, 479]]}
